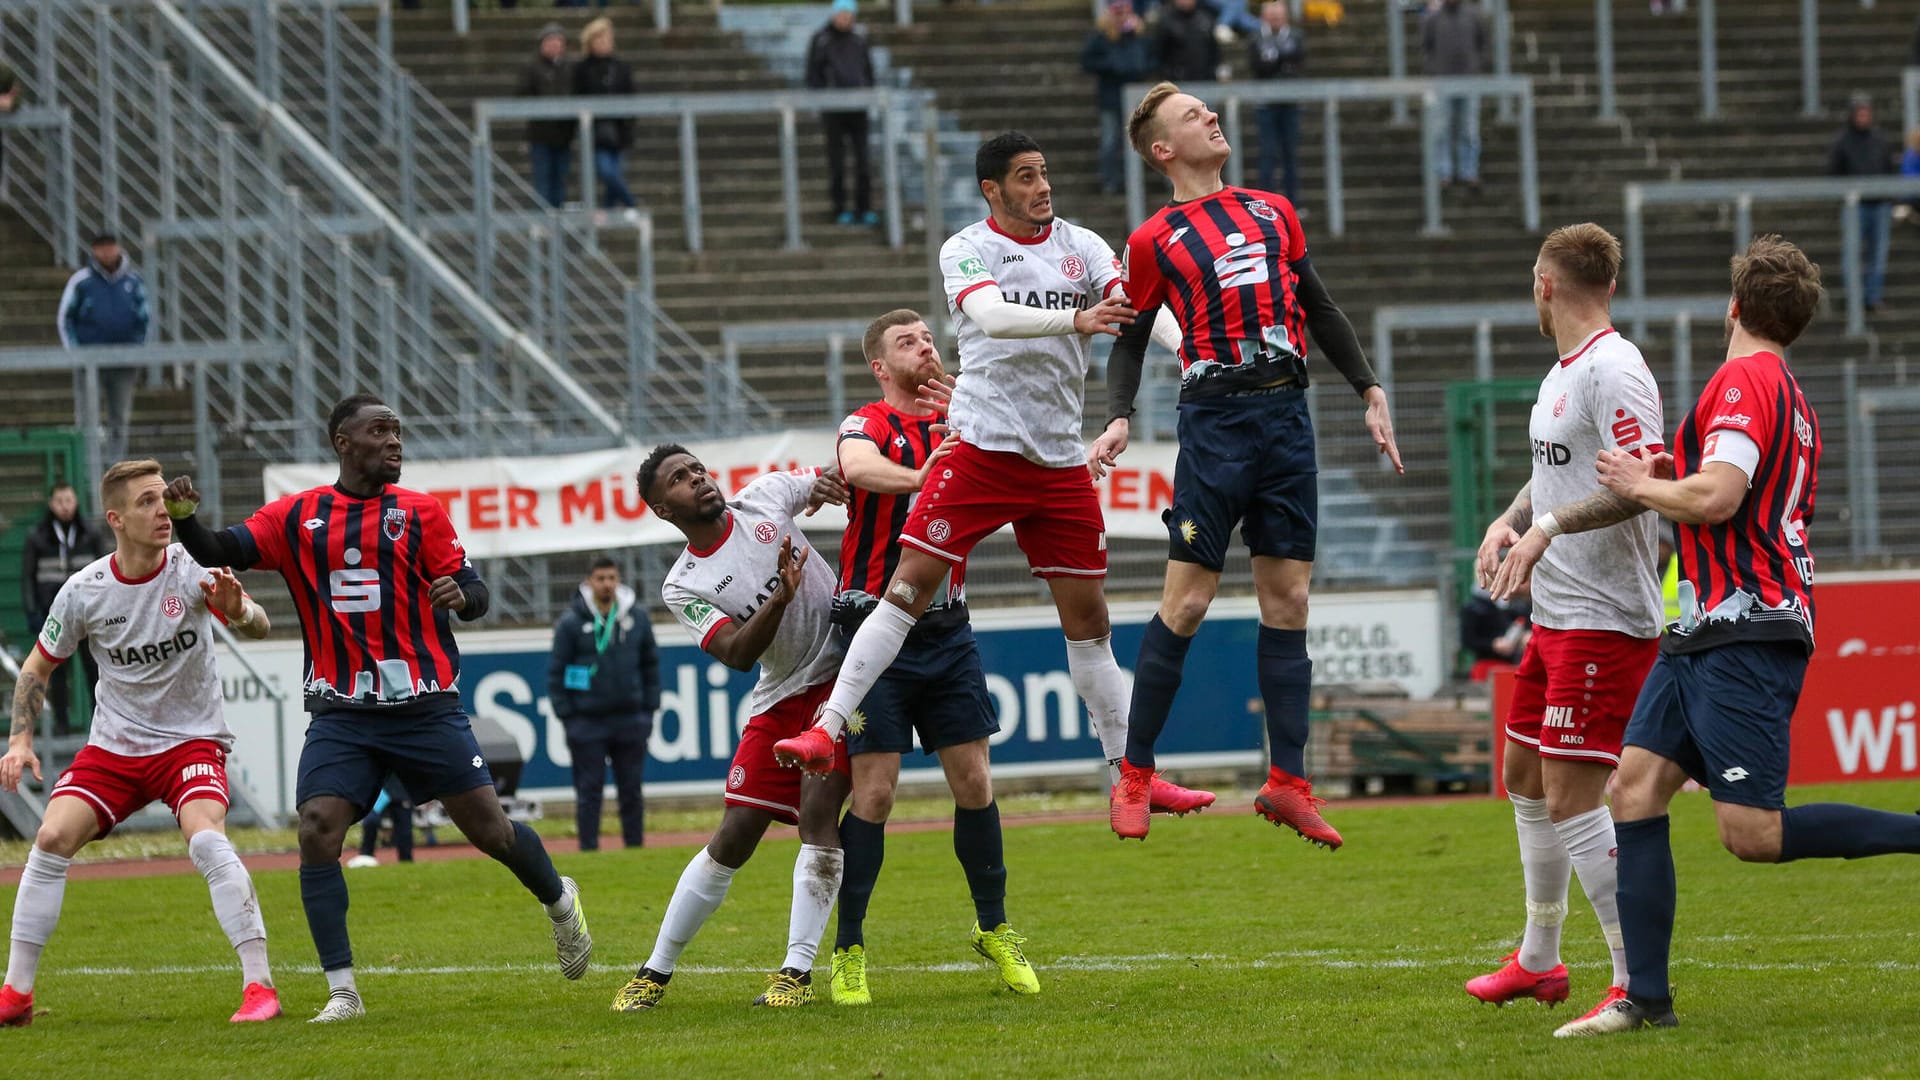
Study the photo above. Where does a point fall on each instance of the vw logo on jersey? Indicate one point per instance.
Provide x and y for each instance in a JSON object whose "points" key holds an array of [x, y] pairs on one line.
{"points": [[174, 607], [764, 532], [1560, 407], [1733, 395], [1074, 267]]}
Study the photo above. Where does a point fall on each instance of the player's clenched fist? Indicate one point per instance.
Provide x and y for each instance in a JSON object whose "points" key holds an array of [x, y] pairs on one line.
{"points": [[447, 595], [828, 487], [181, 497]]}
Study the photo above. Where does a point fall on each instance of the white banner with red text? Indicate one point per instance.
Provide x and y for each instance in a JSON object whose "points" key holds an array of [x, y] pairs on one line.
{"points": [[582, 502]]}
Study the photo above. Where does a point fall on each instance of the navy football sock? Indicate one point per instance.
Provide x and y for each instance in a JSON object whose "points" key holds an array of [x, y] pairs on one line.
{"points": [[865, 845], [1840, 831], [323, 893], [976, 843], [1647, 896], [530, 863], [1286, 685], [1156, 679]]}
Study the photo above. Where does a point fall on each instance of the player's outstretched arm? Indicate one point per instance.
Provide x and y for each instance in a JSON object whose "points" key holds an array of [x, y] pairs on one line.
{"points": [[208, 548], [739, 646], [997, 318], [29, 697], [1708, 497], [1597, 511], [869, 470], [1333, 332], [1504, 533]]}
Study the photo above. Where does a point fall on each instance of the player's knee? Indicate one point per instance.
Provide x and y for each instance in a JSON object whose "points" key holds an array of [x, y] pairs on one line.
{"points": [[1183, 612], [873, 802], [1284, 605], [1750, 843], [973, 790], [62, 839]]}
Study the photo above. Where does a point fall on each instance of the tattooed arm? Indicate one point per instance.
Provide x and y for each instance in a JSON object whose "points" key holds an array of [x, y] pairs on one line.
{"points": [[1596, 511], [1504, 533], [29, 697]]}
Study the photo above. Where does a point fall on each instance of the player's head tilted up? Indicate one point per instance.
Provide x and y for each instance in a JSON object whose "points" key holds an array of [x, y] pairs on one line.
{"points": [[365, 435], [679, 489], [1776, 290], [1575, 273], [900, 349], [1013, 179], [132, 493], [1180, 138]]}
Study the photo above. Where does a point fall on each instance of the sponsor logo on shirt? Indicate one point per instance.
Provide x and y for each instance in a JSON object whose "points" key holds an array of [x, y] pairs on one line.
{"points": [[1626, 429], [1049, 300], [1013, 258], [971, 267], [394, 523], [1738, 419], [51, 631], [197, 770], [312, 524], [697, 611], [1551, 453], [141, 655], [1733, 395]]}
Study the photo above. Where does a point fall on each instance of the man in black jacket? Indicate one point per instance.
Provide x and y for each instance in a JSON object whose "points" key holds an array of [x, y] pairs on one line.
{"points": [[1862, 151], [838, 59], [58, 546], [1185, 44], [1278, 51], [549, 74], [603, 679]]}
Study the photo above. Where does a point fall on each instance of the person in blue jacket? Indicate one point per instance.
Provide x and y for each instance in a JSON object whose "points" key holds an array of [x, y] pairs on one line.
{"points": [[603, 679], [1116, 53], [105, 303]]}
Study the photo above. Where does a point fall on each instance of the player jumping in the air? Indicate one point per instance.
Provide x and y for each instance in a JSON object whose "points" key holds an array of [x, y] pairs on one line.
{"points": [[936, 685], [159, 732], [1232, 265], [1591, 557], [1025, 289], [749, 590], [1717, 704], [374, 569]]}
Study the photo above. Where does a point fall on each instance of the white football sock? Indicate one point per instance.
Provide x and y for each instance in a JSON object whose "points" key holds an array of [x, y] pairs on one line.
{"points": [[871, 652], [703, 884], [36, 911], [235, 903], [341, 979], [1590, 847], [816, 883], [1544, 863], [1103, 686]]}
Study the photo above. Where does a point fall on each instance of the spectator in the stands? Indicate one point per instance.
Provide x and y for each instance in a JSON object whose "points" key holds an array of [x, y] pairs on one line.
{"points": [[1861, 150], [549, 142], [1184, 43], [1117, 52], [600, 73], [838, 59], [1278, 51], [1453, 42], [1910, 167], [1495, 631], [105, 303], [54, 550]]}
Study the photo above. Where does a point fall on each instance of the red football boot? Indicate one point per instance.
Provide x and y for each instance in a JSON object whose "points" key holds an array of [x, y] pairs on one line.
{"points": [[1513, 982], [1167, 797], [1289, 800], [1130, 810], [257, 1002], [811, 750], [16, 1008]]}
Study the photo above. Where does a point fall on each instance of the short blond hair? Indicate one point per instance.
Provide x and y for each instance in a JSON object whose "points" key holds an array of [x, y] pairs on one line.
{"points": [[1777, 287], [113, 486], [1144, 126], [1587, 254], [600, 27], [874, 343]]}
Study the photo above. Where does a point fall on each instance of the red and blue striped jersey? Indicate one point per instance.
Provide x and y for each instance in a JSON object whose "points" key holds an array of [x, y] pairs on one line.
{"points": [[1224, 263], [360, 571], [1752, 575], [870, 547]]}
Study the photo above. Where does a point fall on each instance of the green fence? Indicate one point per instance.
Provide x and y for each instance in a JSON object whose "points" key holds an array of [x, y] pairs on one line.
{"points": [[1489, 456], [32, 461]]}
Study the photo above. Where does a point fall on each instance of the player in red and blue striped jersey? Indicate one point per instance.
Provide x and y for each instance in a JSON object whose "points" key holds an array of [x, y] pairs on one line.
{"points": [[1232, 266], [1718, 703], [374, 570]]}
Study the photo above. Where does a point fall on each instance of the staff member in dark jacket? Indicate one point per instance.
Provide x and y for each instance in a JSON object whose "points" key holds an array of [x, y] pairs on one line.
{"points": [[838, 59], [549, 74], [1278, 51], [599, 72], [1185, 45], [604, 682], [1862, 151], [58, 546], [1116, 53]]}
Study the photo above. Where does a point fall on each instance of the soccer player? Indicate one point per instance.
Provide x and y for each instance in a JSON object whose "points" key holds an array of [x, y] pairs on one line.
{"points": [[936, 685], [1591, 556], [159, 730], [1232, 265], [1026, 289], [748, 590], [374, 570], [1717, 704]]}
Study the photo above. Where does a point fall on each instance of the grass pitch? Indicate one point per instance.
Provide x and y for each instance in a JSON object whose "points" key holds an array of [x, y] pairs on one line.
{"points": [[1221, 947]]}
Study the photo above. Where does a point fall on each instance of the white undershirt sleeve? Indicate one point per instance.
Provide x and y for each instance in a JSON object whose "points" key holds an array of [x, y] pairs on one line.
{"points": [[1166, 331], [998, 319], [1737, 449]]}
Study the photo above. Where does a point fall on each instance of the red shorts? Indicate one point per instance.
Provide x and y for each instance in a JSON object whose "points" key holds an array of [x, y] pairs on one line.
{"points": [[118, 786], [756, 779], [1054, 512], [1575, 691]]}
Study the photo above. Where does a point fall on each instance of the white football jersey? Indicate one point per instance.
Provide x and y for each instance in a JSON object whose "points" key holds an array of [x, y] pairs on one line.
{"points": [[728, 582], [1599, 396], [1024, 395], [153, 639]]}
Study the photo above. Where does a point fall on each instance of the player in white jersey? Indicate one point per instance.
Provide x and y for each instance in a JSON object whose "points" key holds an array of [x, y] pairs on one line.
{"points": [[146, 612], [1026, 290], [749, 590], [1591, 556]]}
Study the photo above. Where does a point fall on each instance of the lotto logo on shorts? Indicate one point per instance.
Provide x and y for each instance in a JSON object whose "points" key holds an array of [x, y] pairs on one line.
{"points": [[737, 777], [764, 532], [938, 530]]}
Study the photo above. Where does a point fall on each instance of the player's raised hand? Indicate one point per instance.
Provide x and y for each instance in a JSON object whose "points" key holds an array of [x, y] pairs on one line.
{"points": [[1380, 426], [940, 451], [181, 497], [828, 487], [936, 394], [18, 760], [1622, 473], [792, 569], [447, 595], [1102, 317], [224, 594], [1108, 447], [1500, 536], [1516, 573]]}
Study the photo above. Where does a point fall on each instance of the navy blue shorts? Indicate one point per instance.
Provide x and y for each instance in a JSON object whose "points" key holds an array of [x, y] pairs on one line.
{"points": [[349, 753], [1245, 459], [936, 687], [1724, 715]]}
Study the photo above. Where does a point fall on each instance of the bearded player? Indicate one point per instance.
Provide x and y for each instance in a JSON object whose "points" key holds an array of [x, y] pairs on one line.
{"points": [[1232, 266], [1026, 291], [159, 731], [1591, 559]]}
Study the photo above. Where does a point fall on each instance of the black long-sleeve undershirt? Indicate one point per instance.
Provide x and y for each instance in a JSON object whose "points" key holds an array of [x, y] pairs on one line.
{"points": [[1331, 329]]}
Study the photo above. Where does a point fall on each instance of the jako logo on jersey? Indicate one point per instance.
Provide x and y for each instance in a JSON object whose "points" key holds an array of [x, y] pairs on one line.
{"points": [[1626, 429], [1560, 407], [938, 530], [311, 524], [736, 776], [1073, 267], [394, 523], [1733, 395], [1014, 258], [1551, 453], [174, 607], [764, 532]]}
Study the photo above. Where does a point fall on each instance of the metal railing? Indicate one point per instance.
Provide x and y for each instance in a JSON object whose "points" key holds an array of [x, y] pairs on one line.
{"points": [[1864, 477], [1847, 191], [1433, 93], [1500, 23], [891, 103], [38, 178], [1909, 100]]}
